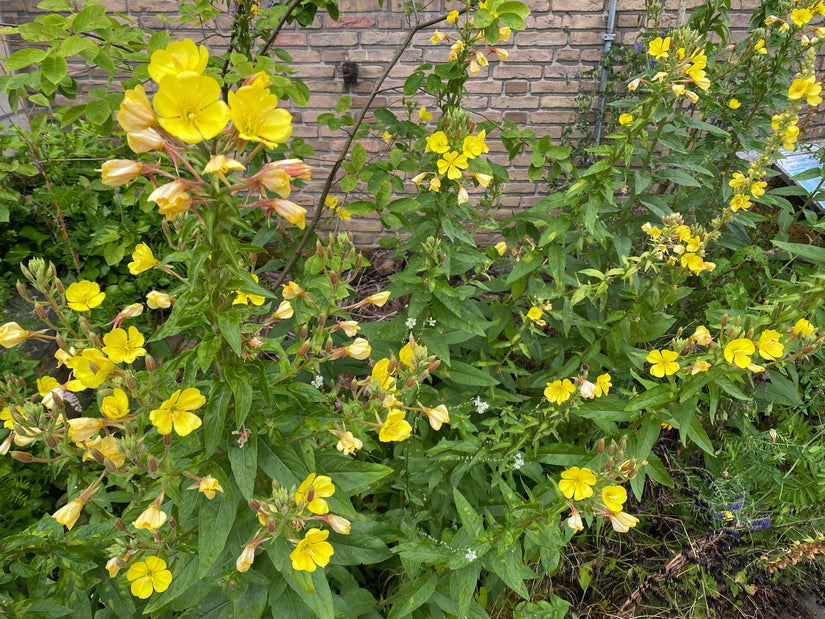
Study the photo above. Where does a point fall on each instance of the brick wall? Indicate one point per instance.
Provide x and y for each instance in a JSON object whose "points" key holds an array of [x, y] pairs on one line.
{"points": [[535, 87]]}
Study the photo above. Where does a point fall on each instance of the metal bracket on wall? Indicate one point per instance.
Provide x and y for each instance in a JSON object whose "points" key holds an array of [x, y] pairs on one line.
{"points": [[608, 36]]}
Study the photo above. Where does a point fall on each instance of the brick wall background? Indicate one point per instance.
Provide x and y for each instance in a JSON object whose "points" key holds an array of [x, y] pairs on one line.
{"points": [[536, 87]]}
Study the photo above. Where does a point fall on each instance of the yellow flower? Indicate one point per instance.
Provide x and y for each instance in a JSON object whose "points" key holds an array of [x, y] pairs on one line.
{"points": [[339, 525], [501, 248], [435, 184], [740, 201], [622, 522], [221, 164], [801, 16], [614, 497], [437, 37], [275, 179], [189, 107], [246, 558], [387, 137], [69, 513], [359, 349], [149, 576], [174, 411], [659, 47], [159, 300], [290, 211], [246, 299], [117, 172], [738, 352], [633, 85], [702, 336], [378, 299], [737, 180], [406, 355], [145, 141], [83, 428], [534, 313], [559, 391], [311, 551], [152, 518], [312, 492], [90, 368], [178, 57], [758, 189], [452, 17], [504, 33], [380, 372], [808, 88], [115, 406], [437, 416], [664, 362], [452, 163], [209, 485], [291, 290], [46, 385], [700, 366], [734, 104], [284, 311], [481, 59], [463, 196], [483, 179], [135, 113], [575, 521], [803, 327], [120, 347], [172, 199], [11, 334], [587, 389], [437, 143], [424, 115], [625, 119], [759, 47], [107, 446], [395, 428], [769, 346], [348, 444], [693, 262], [83, 296], [603, 385], [474, 145], [577, 483], [142, 259], [256, 118]]}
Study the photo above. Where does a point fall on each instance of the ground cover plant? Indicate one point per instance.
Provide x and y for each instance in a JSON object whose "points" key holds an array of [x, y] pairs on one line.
{"points": [[597, 406]]}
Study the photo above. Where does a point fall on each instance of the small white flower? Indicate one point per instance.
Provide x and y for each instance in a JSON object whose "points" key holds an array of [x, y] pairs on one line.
{"points": [[518, 461], [481, 406], [430, 321], [470, 555], [410, 322], [318, 381]]}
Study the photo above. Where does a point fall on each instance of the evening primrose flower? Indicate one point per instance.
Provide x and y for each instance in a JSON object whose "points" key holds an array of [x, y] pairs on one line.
{"points": [[625, 119], [312, 492], [576, 483], [452, 164], [348, 444], [135, 113], [90, 368], [483, 179], [603, 385], [738, 352], [149, 576], [452, 17], [257, 118], [659, 48], [424, 115], [208, 486], [559, 391], [534, 313], [504, 33], [614, 497], [221, 164], [284, 311], [699, 366], [759, 47], [117, 172], [381, 373], [142, 259], [340, 525], [12, 334], [769, 346], [175, 412], [395, 428], [178, 57], [243, 298], [475, 145], [587, 389], [171, 198], [83, 296], [437, 416], [152, 518], [664, 362], [290, 211], [83, 428], [275, 179], [189, 107], [350, 327], [69, 513], [437, 143], [145, 140], [622, 522], [734, 104], [702, 336], [437, 37], [291, 291], [406, 355], [106, 445], [435, 184], [359, 349], [801, 16], [115, 406], [245, 559], [123, 347], [159, 300], [379, 298], [463, 196], [312, 551], [501, 248], [803, 327]]}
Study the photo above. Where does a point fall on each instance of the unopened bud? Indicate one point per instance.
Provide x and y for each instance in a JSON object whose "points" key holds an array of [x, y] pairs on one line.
{"points": [[359, 260], [164, 225], [61, 343], [172, 523], [601, 446], [808, 350], [737, 321], [353, 385], [41, 312], [254, 505], [167, 439], [84, 325], [22, 456], [99, 457], [304, 332], [271, 526], [95, 340], [302, 351], [51, 440], [333, 278], [149, 362], [110, 466], [328, 346], [433, 366], [330, 254], [21, 290], [612, 449], [322, 319], [119, 525], [319, 249], [151, 465], [609, 463], [724, 321], [410, 381], [60, 287], [131, 383], [623, 442]]}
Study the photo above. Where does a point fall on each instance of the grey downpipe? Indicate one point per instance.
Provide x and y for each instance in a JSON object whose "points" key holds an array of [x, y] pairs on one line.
{"points": [[608, 38]]}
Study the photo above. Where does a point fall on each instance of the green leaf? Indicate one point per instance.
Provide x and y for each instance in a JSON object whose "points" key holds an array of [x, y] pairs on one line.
{"points": [[469, 376], [510, 567], [54, 68], [214, 417], [351, 476], [413, 82], [312, 589], [231, 331], [344, 103], [811, 253], [359, 157], [244, 461], [242, 394], [215, 520], [98, 112], [55, 5], [24, 58], [469, 517], [652, 398], [700, 437], [413, 596], [695, 123], [42, 609], [680, 177], [348, 183], [355, 549], [90, 18], [519, 8]]}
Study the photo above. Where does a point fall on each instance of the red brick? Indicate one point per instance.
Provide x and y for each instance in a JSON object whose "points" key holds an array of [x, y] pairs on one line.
{"points": [[350, 21]]}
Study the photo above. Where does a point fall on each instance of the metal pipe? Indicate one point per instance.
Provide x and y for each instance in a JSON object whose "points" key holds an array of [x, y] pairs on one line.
{"points": [[608, 38]]}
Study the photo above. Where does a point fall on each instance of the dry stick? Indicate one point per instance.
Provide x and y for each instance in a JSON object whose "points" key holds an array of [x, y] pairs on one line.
{"points": [[345, 151]]}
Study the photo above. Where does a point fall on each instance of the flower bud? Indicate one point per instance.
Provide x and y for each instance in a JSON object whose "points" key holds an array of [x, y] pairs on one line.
{"points": [[60, 287], [254, 505], [118, 172], [41, 312], [245, 560], [144, 141], [339, 524], [23, 292], [149, 362], [11, 334], [303, 350], [22, 456]]}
